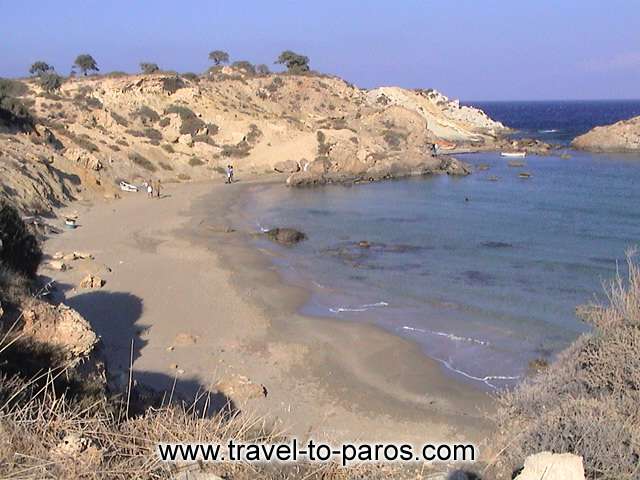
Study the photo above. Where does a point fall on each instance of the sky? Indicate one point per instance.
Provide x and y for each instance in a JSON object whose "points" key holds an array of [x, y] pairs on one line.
{"points": [[468, 49]]}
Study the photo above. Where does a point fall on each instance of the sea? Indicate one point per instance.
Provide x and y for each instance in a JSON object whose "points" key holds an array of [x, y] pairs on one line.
{"points": [[483, 272]]}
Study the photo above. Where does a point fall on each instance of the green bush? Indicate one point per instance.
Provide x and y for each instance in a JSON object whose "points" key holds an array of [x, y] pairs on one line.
{"points": [[83, 142], [218, 57], [195, 162], [50, 81], [167, 147], [172, 84], [165, 166], [120, 120], [19, 249], [153, 134], [146, 115], [13, 112], [141, 161]]}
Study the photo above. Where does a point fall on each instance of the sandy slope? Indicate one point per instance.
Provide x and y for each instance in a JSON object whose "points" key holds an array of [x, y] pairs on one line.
{"points": [[174, 271]]}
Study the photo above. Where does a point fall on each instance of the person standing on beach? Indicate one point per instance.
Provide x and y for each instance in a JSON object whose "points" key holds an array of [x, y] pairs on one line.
{"points": [[158, 188], [229, 174], [149, 189]]}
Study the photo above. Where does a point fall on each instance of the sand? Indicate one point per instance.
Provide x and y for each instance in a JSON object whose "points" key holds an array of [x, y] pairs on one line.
{"points": [[205, 307]]}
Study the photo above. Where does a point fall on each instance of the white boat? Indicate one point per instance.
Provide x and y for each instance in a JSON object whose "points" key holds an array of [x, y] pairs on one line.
{"points": [[127, 187], [513, 154]]}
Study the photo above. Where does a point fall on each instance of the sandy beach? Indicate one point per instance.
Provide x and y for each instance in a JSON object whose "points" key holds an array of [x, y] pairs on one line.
{"points": [[205, 307]]}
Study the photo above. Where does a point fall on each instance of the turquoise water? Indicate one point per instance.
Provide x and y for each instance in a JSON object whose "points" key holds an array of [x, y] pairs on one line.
{"points": [[484, 275], [484, 285]]}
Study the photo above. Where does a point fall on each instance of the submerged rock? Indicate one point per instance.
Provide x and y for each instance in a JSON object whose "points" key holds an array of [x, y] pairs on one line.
{"points": [[285, 236]]}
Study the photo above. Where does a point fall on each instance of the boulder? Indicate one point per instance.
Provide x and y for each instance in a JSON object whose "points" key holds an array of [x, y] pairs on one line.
{"points": [[61, 327], [552, 466], [92, 281], [58, 265], [285, 236], [287, 166], [186, 139]]}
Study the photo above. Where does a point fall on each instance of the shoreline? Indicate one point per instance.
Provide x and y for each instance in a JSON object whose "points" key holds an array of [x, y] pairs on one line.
{"points": [[325, 378]]}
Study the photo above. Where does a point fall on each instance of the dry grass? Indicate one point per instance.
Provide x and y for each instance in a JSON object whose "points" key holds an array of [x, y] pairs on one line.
{"points": [[588, 401]]}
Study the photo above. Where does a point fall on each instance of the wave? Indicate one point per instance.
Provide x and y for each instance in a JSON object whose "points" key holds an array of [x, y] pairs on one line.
{"points": [[450, 336], [553, 130], [361, 308], [486, 380]]}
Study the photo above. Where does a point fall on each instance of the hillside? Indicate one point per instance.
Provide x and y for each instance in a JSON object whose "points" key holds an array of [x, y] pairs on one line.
{"points": [[95, 131], [623, 136]]}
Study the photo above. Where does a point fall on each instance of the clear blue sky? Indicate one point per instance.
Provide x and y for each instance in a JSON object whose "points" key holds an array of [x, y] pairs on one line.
{"points": [[469, 49]]}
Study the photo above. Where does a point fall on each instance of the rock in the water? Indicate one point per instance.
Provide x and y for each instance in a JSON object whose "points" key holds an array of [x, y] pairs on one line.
{"points": [[92, 281], [285, 236], [453, 166], [622, 136], [287, 166], [552, 466]]}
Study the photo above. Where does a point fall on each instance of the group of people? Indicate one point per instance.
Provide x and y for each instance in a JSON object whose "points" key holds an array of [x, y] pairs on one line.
{"points": [[229, 174], [153, 188]]}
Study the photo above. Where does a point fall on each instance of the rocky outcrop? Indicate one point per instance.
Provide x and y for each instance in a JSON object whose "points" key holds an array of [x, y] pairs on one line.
{"points": [[287, 166], [623, 136]]}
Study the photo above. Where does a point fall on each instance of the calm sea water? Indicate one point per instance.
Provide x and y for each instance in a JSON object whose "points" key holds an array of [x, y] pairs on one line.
{"points": [[484, 275]]}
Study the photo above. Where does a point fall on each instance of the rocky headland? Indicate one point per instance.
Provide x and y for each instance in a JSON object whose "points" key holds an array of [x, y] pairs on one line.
{"points": [[623, 136], [80, 141]]}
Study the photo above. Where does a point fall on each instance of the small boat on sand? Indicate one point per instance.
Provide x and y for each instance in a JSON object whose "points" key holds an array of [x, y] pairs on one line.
{"points": [[513, 154], [127, 187]]}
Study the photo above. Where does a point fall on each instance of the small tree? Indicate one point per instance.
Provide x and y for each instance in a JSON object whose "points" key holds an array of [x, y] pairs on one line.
{"points": [[50, 81], [262, 69], [218, 57], [86, 63], [40, 67], [148, 68], [294, 62]]}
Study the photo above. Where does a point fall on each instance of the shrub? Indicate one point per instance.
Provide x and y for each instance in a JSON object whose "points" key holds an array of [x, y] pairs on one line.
{"points": [[165, 166], [164, 122], [193, 77], [146, 115], [195, 162], [50, 81], [135, 133], [263, 69], [167, 147], [19, 249], [394, 138], [83, 142], [183, 176], [218, 57], [149, 68], [13, 112], [245, 66], [294, 62], [141, 161], [172, 84], [120, 120], [86, 63], [587, 401], [153, 134]]}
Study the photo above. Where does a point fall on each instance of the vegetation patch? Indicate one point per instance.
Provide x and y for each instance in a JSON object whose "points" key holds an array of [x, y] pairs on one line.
{"points": [[172, 84], [195, 162], [141, 161], [146, 115], [586, 401], [20, 250], [119, 119], [165, 166], [167, 147]]}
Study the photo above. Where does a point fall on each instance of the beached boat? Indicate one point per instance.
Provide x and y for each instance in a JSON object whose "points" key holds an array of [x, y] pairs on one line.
{"points": [[127, 187], [513, 154]]}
